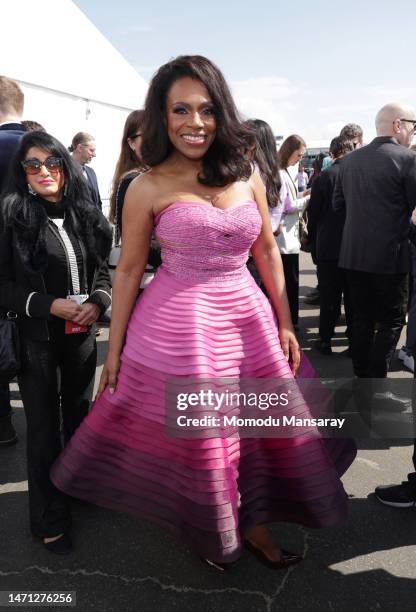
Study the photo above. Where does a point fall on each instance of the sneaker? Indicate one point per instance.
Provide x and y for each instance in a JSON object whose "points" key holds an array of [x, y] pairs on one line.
{"points": [[397, 496], [409, 362], [404, 352], [8, 434]]}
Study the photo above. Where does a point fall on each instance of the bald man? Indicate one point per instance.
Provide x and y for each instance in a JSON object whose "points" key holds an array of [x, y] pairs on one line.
{"points": [[377, 188]]}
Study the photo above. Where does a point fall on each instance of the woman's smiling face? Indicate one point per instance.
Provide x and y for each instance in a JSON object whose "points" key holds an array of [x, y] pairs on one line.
{"points": [[190, 118]]}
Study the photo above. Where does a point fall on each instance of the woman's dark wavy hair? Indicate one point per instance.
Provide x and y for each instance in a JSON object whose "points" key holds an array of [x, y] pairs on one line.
{"points": [[289, 146], [224, 161], [20, 209], [265, 156]]}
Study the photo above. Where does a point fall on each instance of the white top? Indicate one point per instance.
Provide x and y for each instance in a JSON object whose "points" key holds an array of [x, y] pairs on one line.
{"points": [[288, 239]]}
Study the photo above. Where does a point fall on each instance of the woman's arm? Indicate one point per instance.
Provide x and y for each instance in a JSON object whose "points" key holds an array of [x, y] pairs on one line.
{"points": [[137, 231], [268, 262]]}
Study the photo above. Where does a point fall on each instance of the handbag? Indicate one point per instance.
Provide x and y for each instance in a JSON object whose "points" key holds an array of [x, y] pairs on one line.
{"points": [[9, 346], [305, 244]]}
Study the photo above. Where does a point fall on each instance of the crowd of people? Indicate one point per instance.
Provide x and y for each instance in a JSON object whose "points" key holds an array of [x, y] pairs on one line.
{"points": [[209, 222]]}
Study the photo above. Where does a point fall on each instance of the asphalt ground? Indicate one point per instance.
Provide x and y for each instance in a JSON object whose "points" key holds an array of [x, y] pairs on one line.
{"points": [[124, 564]]}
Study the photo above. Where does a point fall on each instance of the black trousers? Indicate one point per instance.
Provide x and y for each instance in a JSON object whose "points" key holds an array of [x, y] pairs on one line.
{"points": [[379, 303], [5, 408], [57, 377], [332, 286], [291, 270]]}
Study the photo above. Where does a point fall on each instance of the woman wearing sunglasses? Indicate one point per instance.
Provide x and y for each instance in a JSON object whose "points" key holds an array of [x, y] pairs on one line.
{"points": [[53, 246]]}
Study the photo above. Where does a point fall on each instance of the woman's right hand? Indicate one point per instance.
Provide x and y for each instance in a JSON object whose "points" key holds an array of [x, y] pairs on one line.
{"points": [[65, 309], [109, 374]]}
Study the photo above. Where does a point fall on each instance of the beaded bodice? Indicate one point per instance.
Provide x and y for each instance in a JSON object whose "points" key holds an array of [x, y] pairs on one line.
{"points": [[201, 242]]}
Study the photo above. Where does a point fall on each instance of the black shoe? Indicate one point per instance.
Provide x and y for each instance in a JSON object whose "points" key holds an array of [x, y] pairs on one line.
{"points": [[61, 546], [8, 434], [397, 496], [287, 559], [387, 400], [324, 347]]}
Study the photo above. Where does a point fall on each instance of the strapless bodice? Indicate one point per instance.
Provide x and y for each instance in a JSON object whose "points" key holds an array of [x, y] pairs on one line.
{"points": [[201, 242]]}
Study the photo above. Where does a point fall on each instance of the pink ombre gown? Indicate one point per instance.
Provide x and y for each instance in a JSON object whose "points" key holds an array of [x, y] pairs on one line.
{"points": [[202, 316]]}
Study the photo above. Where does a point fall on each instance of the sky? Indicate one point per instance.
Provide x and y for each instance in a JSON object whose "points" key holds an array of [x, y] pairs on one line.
{"points": [[305, 67]]}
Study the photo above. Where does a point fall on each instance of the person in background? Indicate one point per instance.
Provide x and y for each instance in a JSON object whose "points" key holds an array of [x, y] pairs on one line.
{"points": [[262, 151], [54, 246], [376, 187], [354, 133], [403, 495], [11, 131], [316, 168], [288, 240], [129, 166], [83, 150], [301, 179], [31, 126], [325, 227]]}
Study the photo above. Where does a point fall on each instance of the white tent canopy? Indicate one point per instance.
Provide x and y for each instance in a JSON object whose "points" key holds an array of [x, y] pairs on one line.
{"points": [[73, 78]]}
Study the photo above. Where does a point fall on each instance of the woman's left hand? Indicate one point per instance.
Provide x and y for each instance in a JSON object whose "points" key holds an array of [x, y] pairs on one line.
{"points": [[290, 347], [88, 315]]}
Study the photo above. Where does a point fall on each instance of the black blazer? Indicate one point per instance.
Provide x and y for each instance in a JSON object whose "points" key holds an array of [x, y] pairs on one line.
{"points": [[325, 225], [93, 186], [10, 134], [376, 187], [18, 281]]}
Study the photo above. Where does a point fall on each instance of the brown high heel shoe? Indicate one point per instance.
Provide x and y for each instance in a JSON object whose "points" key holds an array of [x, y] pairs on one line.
{"points": [[287, 559]]}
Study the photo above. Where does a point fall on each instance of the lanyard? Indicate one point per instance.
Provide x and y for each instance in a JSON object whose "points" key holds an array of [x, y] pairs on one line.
{"points": [[70, 255]]}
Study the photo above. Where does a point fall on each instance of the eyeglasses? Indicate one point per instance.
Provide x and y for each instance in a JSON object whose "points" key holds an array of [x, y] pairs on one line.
{"points": [[413, 121], [33, 166]]}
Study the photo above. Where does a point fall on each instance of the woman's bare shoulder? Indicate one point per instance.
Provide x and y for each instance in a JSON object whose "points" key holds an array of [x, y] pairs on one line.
{"points": [[150, 189]]}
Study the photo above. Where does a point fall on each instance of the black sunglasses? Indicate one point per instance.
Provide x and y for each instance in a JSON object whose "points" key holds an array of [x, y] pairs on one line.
{"points": [[413, 121], [33, 166]]}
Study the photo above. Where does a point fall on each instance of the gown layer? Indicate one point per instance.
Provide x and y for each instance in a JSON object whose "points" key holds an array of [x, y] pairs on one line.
{"points": [[203, 316]]}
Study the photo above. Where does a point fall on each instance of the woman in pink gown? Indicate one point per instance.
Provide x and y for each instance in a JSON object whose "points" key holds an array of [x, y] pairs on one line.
{"points": [[203, 316]]}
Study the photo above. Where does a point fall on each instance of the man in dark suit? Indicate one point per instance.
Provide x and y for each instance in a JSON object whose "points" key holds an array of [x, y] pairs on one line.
{"points": [[83, 150], [377, 188], [11, 130], [325, 226]]}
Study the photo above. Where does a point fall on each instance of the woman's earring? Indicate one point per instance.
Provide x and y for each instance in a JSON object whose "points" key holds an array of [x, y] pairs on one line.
{"points": [[31, 190]]}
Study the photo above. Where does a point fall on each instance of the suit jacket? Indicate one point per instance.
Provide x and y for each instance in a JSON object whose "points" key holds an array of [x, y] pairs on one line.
{"points": [[325, 225], [10, 134], [93, 186], [376, 187]]}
